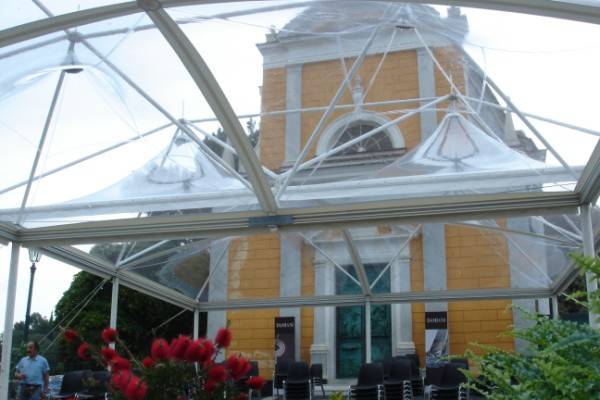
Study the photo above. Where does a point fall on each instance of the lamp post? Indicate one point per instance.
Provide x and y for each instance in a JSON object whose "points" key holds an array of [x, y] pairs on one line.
{"points": [[34, 257]]}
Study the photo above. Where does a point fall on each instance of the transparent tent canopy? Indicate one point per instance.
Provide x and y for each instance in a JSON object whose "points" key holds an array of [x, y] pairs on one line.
{"points": [[176, 133], [521, 253]]}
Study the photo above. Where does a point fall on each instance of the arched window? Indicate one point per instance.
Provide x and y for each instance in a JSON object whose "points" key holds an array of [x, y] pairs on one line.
{"points": [[379, 142], [352, 126]]}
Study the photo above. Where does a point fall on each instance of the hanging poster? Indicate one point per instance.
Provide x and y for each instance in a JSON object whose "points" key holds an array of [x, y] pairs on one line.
{"points": [[436, 337], [285, 340]]}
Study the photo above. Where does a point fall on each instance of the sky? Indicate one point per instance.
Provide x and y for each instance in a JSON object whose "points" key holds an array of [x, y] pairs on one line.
{"points": [[52, 278], [548, 67]]}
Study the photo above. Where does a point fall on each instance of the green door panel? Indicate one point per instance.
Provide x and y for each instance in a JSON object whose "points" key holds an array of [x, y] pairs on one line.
{"points": [[350, 323]]}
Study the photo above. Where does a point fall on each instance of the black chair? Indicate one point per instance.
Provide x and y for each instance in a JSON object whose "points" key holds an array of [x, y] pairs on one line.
{"points": [[415, 358], [72, 384], [369, 383], [280, 374], [460, 362], [387, 366], [96, 386], [398, 385], [316, 378], [297, 384], [451, 384], [241, 383], [416, 381]]}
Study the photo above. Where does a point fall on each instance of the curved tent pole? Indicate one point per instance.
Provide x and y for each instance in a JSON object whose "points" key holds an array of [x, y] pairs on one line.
{"points": [[213, 94], [556, 9], [256, 187]]}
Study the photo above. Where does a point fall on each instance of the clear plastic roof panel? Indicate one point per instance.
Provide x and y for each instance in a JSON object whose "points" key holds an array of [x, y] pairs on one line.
{"points": [[341, 102], [182, 265], [524, 253], [125, 149]]}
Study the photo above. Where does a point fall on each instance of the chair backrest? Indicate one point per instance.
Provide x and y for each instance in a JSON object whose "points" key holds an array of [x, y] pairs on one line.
{"points": [[298, 371], [414, 363], [73, 381], [370, 374], [282, 366], [415, 359], [460, 362], [387, 367], [316, 371], [434, 375], [98, 384], [400, 370], [253, 369], [452, 376]]}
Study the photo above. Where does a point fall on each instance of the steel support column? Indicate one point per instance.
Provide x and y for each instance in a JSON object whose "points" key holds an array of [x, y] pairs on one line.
{"points": [[9, 315], [114, 305], [368, 331], [588, 250], [196, 330]]}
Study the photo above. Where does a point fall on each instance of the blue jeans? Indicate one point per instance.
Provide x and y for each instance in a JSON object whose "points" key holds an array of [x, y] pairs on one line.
{"points": [[28, 392]]}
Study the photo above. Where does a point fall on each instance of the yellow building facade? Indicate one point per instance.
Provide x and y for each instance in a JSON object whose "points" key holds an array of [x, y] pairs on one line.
{"points": [[302, 72]]}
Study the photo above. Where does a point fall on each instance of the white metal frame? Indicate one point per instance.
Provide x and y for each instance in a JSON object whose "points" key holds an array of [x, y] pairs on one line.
{"points": [[548, 8], [53, 239]]}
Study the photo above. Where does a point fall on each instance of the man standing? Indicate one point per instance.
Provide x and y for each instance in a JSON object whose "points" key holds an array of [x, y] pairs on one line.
{"points": [[32, 372]]}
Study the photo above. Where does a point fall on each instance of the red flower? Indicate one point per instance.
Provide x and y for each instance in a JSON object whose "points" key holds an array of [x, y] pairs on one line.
{"points": [[223, 338], [160, 349], [179, 347], [210, 386], [148, 362], [238, 367], [255, 382], [108, 353], [70, 335], [109, 335], [217, 373], [196, 352], [120, 379], [83, 351], [119, 363], [209, 348], [245, 367], [233, 364], [136, 389]]}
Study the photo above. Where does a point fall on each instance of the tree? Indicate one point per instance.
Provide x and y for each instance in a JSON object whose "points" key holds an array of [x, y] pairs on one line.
{"points": [[39, 328], [253, 136], [562, 362], [138, 317]]}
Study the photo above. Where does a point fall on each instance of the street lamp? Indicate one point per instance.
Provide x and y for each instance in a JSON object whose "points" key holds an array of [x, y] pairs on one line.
{"points": [[34, 257]]}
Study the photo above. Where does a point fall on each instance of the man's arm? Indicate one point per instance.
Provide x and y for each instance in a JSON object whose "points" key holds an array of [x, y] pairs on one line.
{"points": [[18, 375], [46, 381], [46, 373]]}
